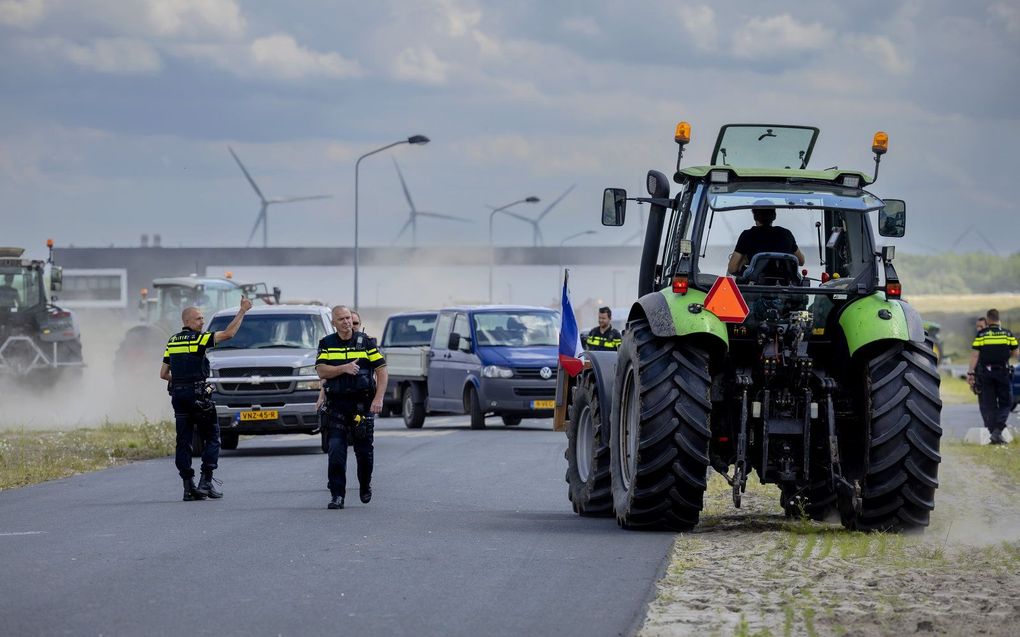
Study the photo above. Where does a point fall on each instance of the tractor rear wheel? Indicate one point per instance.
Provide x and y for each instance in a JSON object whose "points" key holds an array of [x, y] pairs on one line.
{"points": [[590, 485], [660, 430], [901, 468]]}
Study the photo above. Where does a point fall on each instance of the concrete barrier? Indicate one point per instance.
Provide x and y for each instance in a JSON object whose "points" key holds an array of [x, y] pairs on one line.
{"points": [[980, 435]]}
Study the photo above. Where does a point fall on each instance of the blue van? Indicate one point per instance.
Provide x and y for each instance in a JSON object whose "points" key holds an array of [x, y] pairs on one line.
{"points": [[494, 360]]}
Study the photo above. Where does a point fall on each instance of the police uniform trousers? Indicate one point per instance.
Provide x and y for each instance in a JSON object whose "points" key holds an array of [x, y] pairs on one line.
{"points": [[996, 397], [339, 419], [194, 411]]}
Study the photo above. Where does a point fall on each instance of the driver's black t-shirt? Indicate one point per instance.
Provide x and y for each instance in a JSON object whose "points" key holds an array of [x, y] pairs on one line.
{"points": [[765, 239]]}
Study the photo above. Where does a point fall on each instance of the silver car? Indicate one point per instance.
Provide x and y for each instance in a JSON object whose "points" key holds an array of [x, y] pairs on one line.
{"points": [[264, 378]]}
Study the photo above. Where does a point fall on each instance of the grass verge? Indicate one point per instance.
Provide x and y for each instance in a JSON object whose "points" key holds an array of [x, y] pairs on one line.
{"points": [[28, 457], [956, 391], [1003, 460]]}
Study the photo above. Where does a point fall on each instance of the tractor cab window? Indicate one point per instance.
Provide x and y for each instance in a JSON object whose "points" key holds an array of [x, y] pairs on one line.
{"points": [[757, 146], [19, 289]]}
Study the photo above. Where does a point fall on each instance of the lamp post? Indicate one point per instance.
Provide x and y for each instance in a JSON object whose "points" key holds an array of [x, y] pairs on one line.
{"points": [[492, 246], [413, 139], [559, 255]]}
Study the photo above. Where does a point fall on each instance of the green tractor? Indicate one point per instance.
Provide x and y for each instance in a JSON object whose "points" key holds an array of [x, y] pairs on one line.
{"points": [[39, 341], [802, 364], [160, 315]]}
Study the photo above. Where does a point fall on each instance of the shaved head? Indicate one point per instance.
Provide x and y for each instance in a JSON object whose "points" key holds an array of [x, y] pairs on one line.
{"points": [[188, 313]]}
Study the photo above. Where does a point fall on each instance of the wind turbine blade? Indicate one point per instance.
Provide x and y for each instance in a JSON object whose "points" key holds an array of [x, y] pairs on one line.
{"points": [[555, 202], [246, 175], [292, 199], [403, 184], [436, 215], [407, 225], [516, 215], [258, 220]]}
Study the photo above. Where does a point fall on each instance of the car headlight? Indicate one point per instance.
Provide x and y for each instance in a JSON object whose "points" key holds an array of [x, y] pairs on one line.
{"points": [[308, 370], [495, 371]]}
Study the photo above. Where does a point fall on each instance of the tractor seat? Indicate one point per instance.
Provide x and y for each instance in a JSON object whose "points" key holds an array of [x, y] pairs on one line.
{"points": [[772, 268]]}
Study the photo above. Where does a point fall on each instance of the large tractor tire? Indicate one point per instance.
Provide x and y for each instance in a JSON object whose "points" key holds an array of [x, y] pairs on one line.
{"points": [[901, 384], [412, 404], [588, 476], [660, 431]]}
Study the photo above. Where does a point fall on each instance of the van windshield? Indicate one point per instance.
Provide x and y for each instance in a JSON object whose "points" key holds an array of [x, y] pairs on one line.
{"points": [[260, 331], [516, 329]]}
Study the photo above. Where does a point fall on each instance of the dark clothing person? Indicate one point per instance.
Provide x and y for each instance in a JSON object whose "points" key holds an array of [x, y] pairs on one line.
{"points": [[765, 239], [193, 410], [992, 377], [347, 409], [599, 341]]}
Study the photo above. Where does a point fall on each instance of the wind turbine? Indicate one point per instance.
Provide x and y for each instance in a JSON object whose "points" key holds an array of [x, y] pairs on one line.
{"points": [[262, 218], [412, 219], [536, 231]]}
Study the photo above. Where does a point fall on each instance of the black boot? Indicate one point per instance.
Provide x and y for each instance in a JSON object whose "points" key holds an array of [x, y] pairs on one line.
{"points": [[336, 503], [366, 493], [191, 492], [206, 488]]}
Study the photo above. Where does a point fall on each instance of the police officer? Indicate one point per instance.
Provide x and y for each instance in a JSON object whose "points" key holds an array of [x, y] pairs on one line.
{"points": [[185, 369], [354, 379], [605, 337], [990, 374]]}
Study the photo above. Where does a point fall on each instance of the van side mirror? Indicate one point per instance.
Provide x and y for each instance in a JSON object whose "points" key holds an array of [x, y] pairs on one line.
{"points": [[614, 206], [892, 219], [454, 342], [56, 278]]}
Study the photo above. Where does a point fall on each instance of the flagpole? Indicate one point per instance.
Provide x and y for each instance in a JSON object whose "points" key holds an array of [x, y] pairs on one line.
{"points": [[562, 377]]}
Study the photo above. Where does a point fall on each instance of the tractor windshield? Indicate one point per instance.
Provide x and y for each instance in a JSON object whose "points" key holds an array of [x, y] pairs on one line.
{"points": [[764, 146], [20, 289], [210, 297]]}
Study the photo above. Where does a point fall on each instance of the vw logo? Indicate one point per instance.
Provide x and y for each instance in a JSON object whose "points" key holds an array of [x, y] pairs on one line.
{"points": [[545, 373]]}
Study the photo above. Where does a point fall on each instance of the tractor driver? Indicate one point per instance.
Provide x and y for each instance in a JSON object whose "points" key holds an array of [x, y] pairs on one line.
{"points": [[9, 297], [762, 237]]}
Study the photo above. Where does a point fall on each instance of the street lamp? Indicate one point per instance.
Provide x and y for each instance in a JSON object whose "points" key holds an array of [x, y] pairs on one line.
{"points": [[559, 256], [414, 140], [492, 246]]}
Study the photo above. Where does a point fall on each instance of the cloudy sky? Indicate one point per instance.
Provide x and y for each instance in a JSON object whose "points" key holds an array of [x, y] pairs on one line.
{"points": [[116, 115]]}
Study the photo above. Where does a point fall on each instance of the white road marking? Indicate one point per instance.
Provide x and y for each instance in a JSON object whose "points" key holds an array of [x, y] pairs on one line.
{"points": [[23, 533], [412, 434]]}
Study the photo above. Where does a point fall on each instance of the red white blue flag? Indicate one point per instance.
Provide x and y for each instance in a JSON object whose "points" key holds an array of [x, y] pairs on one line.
{"points": [[570, 337]]}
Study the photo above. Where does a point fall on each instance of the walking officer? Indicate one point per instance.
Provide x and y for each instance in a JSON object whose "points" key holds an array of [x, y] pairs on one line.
{"points": [[354, 379], [185, 368], [990, 374], [605, 337]]}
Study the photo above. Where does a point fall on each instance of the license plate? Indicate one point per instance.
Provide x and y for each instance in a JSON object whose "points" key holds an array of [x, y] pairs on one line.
{"points": [[543, 404], [265, 414]]}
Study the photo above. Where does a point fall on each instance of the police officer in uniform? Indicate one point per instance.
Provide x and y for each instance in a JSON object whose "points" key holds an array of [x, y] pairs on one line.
{"points": [[990, 374], [185, 369], [605, 337], [354, 379]]}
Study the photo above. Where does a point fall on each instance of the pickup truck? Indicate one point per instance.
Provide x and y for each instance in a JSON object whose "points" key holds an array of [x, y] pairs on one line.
{"points": [[405, 344], [487, 360]]}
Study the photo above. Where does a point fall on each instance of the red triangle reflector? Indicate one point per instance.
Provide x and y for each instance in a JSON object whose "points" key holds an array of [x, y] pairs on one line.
{"points": [[725, 301]]}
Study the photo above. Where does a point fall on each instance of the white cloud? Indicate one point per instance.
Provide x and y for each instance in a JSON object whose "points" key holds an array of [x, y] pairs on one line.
{"points": [[778, 36], [104, 55], [882, 51], [21, 13], [420, 65], [191, 18], [459, 20], [585, 25], [1008, 15], [282, 57], [699, 23]]}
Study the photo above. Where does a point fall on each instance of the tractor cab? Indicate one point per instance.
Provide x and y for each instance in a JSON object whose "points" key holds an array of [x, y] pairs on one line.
{"points": [[211, 294]]}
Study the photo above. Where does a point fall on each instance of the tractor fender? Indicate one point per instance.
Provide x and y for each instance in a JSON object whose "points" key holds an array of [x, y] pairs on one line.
{"points": [[603, 365], [862, 322], [671, 314]]}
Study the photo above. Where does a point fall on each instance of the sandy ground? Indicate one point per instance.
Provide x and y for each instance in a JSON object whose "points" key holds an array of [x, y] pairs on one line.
{"points": [[752, 572]]}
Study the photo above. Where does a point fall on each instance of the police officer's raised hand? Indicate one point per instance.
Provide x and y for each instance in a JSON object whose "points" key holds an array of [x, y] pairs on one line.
{"points": [[350, 368], [245, 304]]}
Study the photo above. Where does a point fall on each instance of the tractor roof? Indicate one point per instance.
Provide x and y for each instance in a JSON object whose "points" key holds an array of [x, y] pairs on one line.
{"points": [[834, 175], [195, 281]]}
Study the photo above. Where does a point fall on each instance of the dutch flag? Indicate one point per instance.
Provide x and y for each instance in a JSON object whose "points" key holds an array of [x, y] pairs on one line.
{"points": [[570, 338]]}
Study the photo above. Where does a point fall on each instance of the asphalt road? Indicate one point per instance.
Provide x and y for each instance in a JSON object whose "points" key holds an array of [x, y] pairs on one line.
{"points": [[469, 533]]}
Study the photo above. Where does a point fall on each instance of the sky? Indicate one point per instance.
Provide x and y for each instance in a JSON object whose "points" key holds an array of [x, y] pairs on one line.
{"points": [[116, 115]]}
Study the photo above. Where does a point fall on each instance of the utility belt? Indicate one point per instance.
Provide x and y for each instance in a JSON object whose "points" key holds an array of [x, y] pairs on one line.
{"points": [[200, 387], [994, 368], [357, 422]]}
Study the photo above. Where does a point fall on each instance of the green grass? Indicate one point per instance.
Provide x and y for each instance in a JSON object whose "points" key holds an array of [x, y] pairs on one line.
{"points": [[956, 391], [1003, 460], [28, 457]]}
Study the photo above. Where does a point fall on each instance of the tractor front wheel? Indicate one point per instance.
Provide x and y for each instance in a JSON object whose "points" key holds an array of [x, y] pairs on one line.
{"points": [[660, 430]]}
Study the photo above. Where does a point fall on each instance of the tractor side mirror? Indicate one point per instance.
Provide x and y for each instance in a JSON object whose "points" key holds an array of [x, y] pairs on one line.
{"points": [[614, 206], [276, 294], [892, 219], [56, 278]]}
